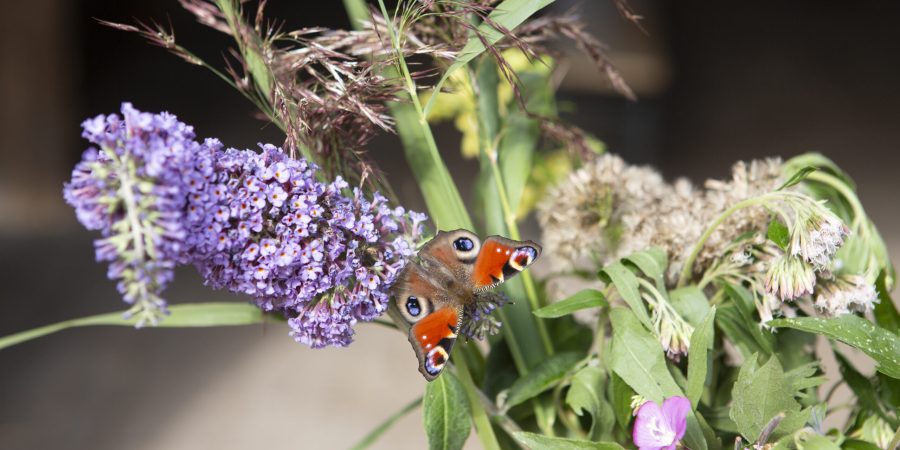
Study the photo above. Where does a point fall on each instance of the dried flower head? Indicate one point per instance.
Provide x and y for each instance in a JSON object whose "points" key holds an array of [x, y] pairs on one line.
{"points": [[132, 187], [845, 294], [817, 235]]}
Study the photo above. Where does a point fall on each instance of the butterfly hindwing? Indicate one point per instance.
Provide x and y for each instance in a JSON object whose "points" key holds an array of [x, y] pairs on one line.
{"points": [[433, 338]]}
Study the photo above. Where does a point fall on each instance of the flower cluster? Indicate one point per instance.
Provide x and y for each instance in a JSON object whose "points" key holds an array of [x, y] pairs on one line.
{"points": [[845, 294], [262, 224], [132, 187]]}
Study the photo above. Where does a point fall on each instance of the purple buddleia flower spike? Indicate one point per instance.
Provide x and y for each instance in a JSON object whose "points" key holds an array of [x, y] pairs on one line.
{"points": [[132, 186], [264, 225], [658, 428]]}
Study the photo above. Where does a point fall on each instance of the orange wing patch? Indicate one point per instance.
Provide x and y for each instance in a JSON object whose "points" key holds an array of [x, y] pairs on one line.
{"points": [[488, 269], [433, 338]]}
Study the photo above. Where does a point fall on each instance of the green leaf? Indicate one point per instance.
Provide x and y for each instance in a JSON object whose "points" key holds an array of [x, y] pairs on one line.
{"points": [[373, 435], [637, 357], [856, 444], [652, 261], [508, 14], [866, 398], [797, 177], [587, 298], [447, 419], [759, 395], [626, 284], [620, 394], [811, 441], [880, 344], [545, 376], [743, 301], [181, 316], [585, 393], [698, 358], [886, 313], [691, 303], [779, 233], [537, 441]]}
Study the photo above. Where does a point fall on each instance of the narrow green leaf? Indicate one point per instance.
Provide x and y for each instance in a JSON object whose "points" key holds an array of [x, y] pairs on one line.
{"points": [[181, 316], [880, 344], [508, 14], [797, 177], [779, 233], [886, 313], [545, 376], [373, 435], [743, 300], [626, 284], [698, 358], [538, 441], [759, 395], [447, 419], [587, 298]]}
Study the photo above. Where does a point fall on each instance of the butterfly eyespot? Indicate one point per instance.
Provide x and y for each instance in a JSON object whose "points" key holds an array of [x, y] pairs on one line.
{"points": [[463, 244], [413, 307]]}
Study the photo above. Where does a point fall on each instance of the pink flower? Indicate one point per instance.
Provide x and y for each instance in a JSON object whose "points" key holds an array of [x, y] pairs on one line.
{"points": [[658, 428]]}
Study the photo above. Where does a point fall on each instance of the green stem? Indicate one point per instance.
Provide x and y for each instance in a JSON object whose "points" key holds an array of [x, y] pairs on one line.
{"points": [[859, 214], [479, 416], [373, 436], [689, 262], [187, 315]]}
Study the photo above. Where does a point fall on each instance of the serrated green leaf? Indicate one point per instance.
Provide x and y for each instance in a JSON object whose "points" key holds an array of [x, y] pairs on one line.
{"points": [[538, 441], [446, 413], [880, 344], [691, 303], [626, 284], [508, 14], [545, 376], [698, 358], [587, 298], [760, 394], [779, 233], [797, 177], [886, 313]]}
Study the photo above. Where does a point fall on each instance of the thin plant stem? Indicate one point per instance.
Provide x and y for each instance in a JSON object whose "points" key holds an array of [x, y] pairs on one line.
{"points": [[479, 417], [689, 263], [859, 213]]}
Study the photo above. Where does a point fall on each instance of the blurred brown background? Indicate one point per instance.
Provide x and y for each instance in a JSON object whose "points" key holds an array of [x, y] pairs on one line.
{"points": [[716, 83]]}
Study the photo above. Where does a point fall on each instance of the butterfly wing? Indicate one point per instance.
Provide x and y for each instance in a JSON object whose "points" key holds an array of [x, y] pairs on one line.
{"points": [[500, 259], [432, 290]]}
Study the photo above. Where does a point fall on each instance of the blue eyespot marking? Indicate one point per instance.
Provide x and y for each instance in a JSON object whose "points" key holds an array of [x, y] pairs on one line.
{"points": [[463, 244], [413, 306]]}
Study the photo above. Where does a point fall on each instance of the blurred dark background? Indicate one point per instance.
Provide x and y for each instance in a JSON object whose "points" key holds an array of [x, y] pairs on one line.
{"points": [[716, 82]]}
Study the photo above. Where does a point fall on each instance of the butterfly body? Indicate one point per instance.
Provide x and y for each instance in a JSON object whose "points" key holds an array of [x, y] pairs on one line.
{"points": [[452, 274]]}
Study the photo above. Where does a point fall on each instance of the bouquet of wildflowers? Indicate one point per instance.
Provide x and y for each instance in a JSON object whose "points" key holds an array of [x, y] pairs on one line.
{"points": [[675, 316]]}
